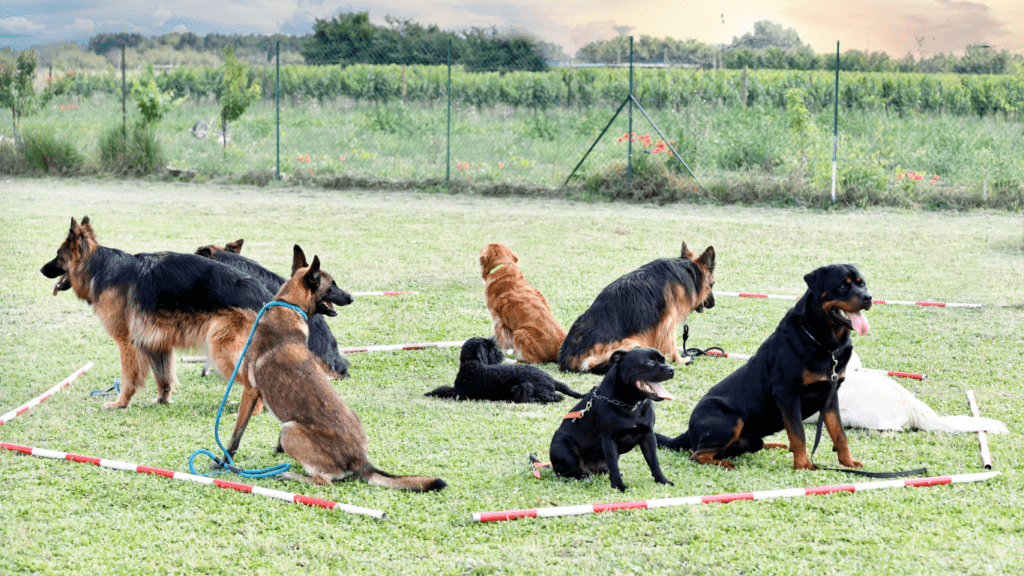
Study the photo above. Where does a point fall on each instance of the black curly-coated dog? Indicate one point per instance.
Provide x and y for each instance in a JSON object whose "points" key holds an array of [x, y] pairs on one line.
{"points": [[482, 376]]}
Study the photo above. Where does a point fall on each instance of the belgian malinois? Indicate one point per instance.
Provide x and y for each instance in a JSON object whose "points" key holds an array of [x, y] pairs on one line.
{"points": [[319, 430]]}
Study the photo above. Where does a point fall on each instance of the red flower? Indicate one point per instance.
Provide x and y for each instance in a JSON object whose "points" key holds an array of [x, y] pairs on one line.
{"points": [[500, 165]]}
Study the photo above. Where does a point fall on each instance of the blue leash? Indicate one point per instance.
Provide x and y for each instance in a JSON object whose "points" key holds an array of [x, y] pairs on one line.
{"points": [[227, 462]]}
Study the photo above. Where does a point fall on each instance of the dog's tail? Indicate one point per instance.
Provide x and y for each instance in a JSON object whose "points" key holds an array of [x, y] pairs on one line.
{"points": [[443, 392], [564, 389], [681, 442], [375, 477]]}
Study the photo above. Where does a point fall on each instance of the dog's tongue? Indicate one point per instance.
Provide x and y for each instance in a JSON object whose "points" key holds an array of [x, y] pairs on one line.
{"points": [[660, 391], [56, 287], [860, 323]]}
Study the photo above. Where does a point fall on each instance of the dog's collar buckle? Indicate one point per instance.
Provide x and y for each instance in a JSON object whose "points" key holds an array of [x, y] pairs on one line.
{"points": [[577, 414]]}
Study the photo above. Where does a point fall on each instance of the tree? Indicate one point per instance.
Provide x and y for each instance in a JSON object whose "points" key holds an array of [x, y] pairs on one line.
{"points": [[766, 34], [103, 43], [236, 93], [16, 91], [344, 39]]}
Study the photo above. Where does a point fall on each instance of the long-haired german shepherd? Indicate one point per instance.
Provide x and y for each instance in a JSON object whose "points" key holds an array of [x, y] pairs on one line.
{"points": [[151, 304], [640, 309], [321, 341], [319, 430]]}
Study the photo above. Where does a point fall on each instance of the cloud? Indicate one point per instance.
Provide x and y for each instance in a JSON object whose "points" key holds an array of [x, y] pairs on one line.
{"points": [[19, 26], [583, 34], [161, 14], [180, 29], [80, 25], [922, 27]]}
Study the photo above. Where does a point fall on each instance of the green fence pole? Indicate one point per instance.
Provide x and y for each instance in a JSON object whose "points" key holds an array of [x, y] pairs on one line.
{"points": [[835, 127], [277, 104], [448, 139], [629, 153], [124, 95]]}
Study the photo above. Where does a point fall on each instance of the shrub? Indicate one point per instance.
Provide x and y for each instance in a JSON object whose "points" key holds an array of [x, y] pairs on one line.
{"points": [[135, 155], [42, 151]]}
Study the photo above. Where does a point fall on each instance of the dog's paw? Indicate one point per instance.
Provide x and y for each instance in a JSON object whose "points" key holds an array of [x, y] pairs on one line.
{"points": [[851, 463], [115, 405], [664, 481]]}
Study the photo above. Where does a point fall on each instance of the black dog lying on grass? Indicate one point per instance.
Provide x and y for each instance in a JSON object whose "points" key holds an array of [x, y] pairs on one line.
{"points": [[482, 376], [613, 418]]}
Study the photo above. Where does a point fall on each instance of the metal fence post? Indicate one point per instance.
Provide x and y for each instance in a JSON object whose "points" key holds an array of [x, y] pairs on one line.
{"points": [[448, 138], [629, 153], [277, 104]]}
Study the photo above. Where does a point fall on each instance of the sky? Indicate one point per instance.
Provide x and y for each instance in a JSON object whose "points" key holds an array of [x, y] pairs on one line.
{"points": [[897, 27]]}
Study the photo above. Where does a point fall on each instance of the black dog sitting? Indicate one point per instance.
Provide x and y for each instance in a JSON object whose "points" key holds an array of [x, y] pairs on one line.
{"points": [[482, 376], [795, 373], [613, 418]]}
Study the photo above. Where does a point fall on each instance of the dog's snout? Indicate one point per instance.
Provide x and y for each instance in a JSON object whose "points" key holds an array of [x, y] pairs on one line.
{"points": [[671, 371], [866, 300]]}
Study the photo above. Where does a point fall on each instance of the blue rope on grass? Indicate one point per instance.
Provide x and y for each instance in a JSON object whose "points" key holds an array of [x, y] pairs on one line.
{"points": [[227, 462]]}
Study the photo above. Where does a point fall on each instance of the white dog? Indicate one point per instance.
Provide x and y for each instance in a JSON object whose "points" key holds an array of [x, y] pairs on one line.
{"points": [[873, 400]]}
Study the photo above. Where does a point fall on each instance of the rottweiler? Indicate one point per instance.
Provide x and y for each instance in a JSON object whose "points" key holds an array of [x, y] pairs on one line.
{"points": [[614, 417], [793, 374]]}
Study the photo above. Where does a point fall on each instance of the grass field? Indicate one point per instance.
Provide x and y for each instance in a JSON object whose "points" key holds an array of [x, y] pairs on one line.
{"points": [[59, 517]]}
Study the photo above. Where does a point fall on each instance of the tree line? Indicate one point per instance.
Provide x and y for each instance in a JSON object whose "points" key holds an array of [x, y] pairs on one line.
{"points": [[772, 47]]}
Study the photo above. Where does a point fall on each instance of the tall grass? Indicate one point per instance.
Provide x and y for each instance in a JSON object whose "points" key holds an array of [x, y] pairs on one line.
{"points": [[738, 153]]}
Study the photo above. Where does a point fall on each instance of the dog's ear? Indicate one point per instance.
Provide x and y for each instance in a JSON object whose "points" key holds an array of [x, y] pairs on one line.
{"points": [[206, 252], [234, 247], [686, 253], [298, 259], [617, 356], [312, 276], [815, 280], [707, 259]]}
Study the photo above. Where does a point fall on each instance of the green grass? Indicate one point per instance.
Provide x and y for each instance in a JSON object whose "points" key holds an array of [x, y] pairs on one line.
{"points": [[60, 517]]}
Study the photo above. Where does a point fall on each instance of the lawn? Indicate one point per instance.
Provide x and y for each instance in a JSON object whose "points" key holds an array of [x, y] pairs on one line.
{"points": [[59, 517]]}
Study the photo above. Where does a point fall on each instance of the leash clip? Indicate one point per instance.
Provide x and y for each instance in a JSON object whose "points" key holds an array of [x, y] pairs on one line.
{"points": [[835, 364]]}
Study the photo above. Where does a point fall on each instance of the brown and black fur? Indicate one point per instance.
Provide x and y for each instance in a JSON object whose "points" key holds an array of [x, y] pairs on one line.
{"points": [[152, 304], [319, 430], [321, 341], [786, 380], [640, 309]]}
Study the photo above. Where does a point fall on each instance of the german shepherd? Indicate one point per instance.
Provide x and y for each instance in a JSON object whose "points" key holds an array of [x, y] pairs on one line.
{"points": [[151, 304], [319, 430], [321, 341], [522, 318], [640, 309]]}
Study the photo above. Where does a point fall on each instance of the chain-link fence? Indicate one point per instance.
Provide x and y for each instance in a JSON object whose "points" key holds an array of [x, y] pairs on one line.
{"points": [[450, 115]]}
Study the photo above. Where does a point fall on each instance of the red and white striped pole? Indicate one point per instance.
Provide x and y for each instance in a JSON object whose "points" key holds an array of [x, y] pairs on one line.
{"points": [[986, 457], [722, 498], [375, 348], [876, 301], [736, 356], [45, 395], [117, 465], [400, 293], [414, 346]]}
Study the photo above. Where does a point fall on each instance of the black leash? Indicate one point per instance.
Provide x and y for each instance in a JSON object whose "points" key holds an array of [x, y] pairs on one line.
{"points": [[834, 387], [695, 352]]}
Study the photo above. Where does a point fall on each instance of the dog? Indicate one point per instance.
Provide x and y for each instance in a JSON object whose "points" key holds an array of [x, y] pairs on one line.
{"points": [[523, 321], [613, 418], [318, 430], [152, 304], [483, 376], [874, 401], [641, 308], [794, 373], [321, 341]]}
